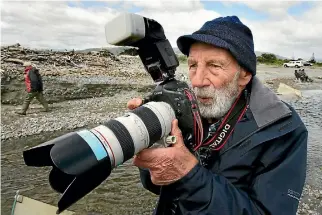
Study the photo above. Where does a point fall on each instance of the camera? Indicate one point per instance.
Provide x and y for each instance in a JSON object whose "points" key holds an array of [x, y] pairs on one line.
{"points": [[83, 159]]}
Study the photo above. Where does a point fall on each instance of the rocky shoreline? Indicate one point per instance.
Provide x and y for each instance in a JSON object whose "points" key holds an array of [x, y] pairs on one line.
{"points": [[59, 90], [64, 115], [311, 201], [70, 75]]}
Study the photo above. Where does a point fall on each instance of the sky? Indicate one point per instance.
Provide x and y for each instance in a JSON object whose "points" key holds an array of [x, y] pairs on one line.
{"points": [[287, 28]]}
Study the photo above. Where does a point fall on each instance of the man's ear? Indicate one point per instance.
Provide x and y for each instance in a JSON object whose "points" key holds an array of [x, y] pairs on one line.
{"points": [[244, 78]]}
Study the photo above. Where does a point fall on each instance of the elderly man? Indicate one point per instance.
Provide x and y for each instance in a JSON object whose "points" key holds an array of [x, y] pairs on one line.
{"points": [[258, 168], [34, 88]]}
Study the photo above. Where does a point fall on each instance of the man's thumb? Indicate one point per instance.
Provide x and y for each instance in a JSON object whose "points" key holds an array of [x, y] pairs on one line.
{"points": [[175, 131]]}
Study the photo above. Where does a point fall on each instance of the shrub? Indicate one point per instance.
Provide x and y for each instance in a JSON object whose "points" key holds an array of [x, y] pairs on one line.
{"points": [[270, 59], [182, 58]]}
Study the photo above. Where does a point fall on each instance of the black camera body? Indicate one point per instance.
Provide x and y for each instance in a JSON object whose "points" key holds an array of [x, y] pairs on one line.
{"points": [[97, 151], [183, 102]]}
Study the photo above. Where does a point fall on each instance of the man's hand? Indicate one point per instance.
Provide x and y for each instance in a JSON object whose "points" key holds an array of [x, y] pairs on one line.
{"points": [[134, 103], [166, 165]]}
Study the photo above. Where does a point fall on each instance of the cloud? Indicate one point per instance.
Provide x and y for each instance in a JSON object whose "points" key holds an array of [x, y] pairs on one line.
{"points": [[276, 9], [290, 35], [167, 5], [53, 24], [79, 25], [58, 25], [181, 23]]}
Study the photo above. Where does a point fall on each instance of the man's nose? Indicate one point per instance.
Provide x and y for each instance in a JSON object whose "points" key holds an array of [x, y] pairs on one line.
{"points": [[198, 79]]}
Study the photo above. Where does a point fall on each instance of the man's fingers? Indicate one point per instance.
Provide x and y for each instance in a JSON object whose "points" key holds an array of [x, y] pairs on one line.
{"points": [[141, 163], [134, 103], [151, 154], [147, 158]]}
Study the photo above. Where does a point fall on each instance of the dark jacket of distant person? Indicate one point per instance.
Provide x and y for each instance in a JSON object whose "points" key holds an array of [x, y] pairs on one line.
{"points": [[33, 80]]}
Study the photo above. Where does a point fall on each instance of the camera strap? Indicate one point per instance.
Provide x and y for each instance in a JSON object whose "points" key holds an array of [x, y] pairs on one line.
{"points": [[197, 122], [235, 113]]}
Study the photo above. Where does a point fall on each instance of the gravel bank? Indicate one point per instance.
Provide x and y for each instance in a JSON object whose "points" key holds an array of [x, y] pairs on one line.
{"points": [[58, 89], [63, 116], [311, 201]]}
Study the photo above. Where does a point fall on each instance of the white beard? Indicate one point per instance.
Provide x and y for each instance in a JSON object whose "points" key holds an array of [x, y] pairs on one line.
{"points": [[222, 99]]}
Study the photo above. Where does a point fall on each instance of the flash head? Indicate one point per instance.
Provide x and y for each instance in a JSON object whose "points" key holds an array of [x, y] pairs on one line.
{"points": [[155, 51], [125, 29]]}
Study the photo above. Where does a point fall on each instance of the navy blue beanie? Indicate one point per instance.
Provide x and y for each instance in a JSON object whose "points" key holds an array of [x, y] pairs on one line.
{"points": [[228, 33]]}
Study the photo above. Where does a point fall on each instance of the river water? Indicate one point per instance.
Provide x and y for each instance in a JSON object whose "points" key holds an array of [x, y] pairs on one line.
{"points": [[122, 192], [310, 110]]}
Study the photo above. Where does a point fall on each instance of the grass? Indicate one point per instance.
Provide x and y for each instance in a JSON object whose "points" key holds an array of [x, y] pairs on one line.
{"points": [[317, 64], [275, 63], [182, 58], [267, 59], [271, 59], [280, 63]]}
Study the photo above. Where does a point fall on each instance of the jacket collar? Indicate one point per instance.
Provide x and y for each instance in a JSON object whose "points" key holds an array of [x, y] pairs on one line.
{"points": [[265, 105], [265, 108]]}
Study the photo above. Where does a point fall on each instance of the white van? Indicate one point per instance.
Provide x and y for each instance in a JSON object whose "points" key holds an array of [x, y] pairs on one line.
{"points": [[292, 63]]}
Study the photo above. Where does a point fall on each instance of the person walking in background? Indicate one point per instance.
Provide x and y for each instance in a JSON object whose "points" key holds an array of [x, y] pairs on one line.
{"points": [[34, 88]]}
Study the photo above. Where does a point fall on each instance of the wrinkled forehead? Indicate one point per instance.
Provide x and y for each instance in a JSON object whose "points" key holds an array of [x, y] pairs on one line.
{"points": [[202, 51]]}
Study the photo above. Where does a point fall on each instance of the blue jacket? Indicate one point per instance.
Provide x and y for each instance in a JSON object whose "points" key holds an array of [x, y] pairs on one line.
{"points": [[260, 170]]}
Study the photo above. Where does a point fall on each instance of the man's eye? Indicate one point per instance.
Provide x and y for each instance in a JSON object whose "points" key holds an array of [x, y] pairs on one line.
{"points": [[192, 66], [215, 65]]}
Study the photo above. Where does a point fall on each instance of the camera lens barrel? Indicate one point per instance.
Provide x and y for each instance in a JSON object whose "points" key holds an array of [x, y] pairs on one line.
{"points": [[115, 141]]}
